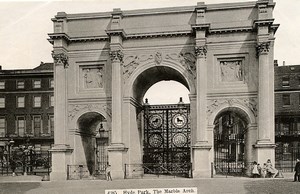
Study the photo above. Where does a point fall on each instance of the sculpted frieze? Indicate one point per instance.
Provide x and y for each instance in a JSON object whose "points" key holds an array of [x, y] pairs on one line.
{"points": [[74, 109], [186, 59], [250, 103]]}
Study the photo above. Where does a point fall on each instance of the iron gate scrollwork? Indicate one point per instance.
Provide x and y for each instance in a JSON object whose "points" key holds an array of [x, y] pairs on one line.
{"points": [[229, 145], [167, 139]]}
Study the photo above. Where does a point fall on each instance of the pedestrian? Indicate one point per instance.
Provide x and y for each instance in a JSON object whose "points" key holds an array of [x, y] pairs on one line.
{"points": [[270, 169], [255, 172], [297, 171], [108, 173], [259, 169], [264, 170]]}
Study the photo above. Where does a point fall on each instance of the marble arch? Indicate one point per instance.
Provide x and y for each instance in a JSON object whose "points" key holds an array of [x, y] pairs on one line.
{"points": [[225, 61]]}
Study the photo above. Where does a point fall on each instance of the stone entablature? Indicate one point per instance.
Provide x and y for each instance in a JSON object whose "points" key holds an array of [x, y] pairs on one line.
{"points": [[173, 21]]}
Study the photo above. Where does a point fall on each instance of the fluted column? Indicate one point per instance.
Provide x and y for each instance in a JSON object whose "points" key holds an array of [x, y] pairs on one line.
{"points": [[60, 150], [60, 77], [264, 96], [201, 69], [201, 148], [116, 59], [116, 147]]}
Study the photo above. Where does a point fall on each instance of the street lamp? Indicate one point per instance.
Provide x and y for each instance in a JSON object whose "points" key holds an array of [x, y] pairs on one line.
{"points": [[9, 144], [27, 153], [101, 132]]}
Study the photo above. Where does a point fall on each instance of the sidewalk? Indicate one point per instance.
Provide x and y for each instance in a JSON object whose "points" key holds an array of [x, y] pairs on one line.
{"points": [[20, 178], [239, 185]]}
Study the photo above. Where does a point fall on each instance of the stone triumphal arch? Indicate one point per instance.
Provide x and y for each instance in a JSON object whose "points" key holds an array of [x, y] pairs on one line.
{"points": [[105, 63]]}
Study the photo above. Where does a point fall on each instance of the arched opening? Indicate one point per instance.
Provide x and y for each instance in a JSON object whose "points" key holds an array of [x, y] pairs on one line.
{"points": [[167, 92], [95, 139], [165, 128], [230, 142], [153, 75]]}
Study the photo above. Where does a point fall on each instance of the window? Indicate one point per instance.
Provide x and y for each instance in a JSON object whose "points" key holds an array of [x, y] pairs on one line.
{"points": [[51, 83], [2, 102], [286, 100], [51, 104], [2, 126], [2, 84], [51, 124], [36, 101], [36, 83], [21, 102], [285, 81], [37, 124], [20, 84], [21, 126]]}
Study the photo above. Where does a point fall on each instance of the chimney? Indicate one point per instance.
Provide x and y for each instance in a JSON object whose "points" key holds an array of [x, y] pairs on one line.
{"points": [[275, 63], [283, 63]]}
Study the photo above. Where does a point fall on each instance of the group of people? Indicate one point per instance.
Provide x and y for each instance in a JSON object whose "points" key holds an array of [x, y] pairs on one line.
{"points": [[267, 170]]}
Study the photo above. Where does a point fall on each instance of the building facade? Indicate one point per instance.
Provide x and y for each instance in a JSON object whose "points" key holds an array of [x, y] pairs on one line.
{"points": [[287, 116], [27, 107], [105, 62]]}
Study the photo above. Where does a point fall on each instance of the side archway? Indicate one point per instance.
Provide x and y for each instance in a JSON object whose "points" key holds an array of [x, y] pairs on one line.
{"points": [[90, 125], [231, 140]]}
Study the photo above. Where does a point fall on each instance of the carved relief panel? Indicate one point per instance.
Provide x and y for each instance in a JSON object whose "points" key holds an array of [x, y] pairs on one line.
{"points": [[231, 70], [92, 77]]}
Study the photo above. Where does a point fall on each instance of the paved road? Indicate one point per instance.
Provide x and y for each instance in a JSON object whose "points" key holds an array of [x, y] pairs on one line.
{"points": [[216, 185]]}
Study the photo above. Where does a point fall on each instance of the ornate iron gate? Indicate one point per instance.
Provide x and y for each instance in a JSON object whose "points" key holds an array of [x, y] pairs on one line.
{"points": [[101, 157], [167, 139], [229, 145]]}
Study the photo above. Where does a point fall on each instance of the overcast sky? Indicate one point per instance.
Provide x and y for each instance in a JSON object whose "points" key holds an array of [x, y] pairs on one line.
{"points": [[24, 26]]}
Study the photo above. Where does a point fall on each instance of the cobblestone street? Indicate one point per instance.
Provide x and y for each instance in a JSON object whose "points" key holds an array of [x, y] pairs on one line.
{"points": [[215, 185]]}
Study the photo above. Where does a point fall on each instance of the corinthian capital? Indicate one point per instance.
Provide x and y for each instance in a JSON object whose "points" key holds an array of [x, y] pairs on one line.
{"points": [[116, 55], [200, 51], [262, 48], [60, 59]]}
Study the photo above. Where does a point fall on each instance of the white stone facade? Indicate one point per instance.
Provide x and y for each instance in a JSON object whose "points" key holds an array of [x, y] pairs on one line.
{"points": [[105, 62]]}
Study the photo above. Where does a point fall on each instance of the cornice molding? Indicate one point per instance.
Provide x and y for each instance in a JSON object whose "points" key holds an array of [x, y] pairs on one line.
{"points": [[264, 22], [56, 36]]}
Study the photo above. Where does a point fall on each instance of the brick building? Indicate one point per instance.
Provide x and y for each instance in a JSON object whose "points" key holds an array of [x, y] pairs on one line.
{"points": [[26, 108], [287, 115]]}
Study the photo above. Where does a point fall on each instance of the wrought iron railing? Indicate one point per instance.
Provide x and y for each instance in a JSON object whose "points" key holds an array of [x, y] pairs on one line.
{"points": [[77, 172], [26, 163], [232, 168], [157, 170]]}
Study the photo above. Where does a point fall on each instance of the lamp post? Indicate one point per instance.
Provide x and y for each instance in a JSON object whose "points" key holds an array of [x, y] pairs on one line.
{"points": [[9, 144], [27, 156], [101, 136]]}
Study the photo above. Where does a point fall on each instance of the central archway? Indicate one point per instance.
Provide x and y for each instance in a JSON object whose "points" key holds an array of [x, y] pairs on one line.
{"points": [[142, 79]]}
